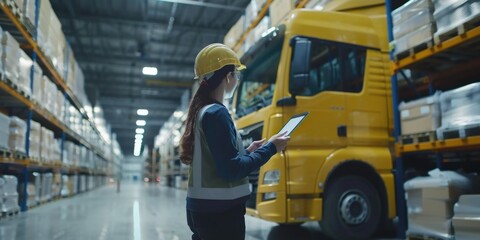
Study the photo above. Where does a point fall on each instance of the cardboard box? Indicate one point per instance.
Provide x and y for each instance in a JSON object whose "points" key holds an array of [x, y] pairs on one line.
{"points": [[419, 116], [422, 35], [279, 9]]}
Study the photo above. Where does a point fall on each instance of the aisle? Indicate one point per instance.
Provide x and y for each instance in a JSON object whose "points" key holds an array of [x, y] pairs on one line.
{"points": [[103, 214]]}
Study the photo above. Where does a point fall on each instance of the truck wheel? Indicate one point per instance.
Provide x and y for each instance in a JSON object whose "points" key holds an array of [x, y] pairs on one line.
{"points": [[351, 209]]}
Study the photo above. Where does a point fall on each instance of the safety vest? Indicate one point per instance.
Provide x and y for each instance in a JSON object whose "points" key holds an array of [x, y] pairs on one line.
{"points": [[204, 181]]}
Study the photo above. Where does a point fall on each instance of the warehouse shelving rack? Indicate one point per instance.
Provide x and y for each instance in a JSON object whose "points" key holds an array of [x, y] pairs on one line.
{"points": [[262, 13], [17, 103], [459, 42]]}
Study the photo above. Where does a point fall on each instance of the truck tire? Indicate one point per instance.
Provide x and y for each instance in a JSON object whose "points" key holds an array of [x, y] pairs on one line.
{"points": [[351, 209]]}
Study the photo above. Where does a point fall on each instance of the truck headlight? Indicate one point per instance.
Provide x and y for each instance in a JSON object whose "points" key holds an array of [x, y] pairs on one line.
{"points": [[271, 177]]}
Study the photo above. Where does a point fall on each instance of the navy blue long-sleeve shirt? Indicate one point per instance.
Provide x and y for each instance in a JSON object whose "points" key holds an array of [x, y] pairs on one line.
{"points": [[221, 138]]}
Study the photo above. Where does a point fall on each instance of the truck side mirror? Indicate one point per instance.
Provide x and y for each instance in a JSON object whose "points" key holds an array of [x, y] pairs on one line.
{"points": [[300, 65]]}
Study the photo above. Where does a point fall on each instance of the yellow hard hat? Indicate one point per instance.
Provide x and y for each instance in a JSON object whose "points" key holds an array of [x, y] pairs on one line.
{"points": [[214, 57]]}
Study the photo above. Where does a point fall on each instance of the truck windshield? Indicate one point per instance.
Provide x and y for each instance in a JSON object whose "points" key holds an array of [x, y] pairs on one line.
{"points": [[258, 80]]}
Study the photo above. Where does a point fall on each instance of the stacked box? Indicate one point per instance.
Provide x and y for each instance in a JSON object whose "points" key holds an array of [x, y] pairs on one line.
{"points": [[57, 185], [29, 13], [4, 131], [430, 202], [466, 221], [449, 14], [38, 84], [9, 199], [16, 138], [279, 9], [46, 143], [43, 29], [70, 78], [60, 103], [419, 116], [413, 24], [56, 150], [57, 44], [36, 180], [35, 139], [47, 181], [83, 183], [67, 186], [460, 110], [24, 68], [10, 57]]}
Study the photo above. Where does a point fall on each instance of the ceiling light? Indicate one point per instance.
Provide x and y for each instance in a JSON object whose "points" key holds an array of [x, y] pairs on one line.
{"points": [[142, 112], [151, 71], [138, 140], [140, 130], [138, 136], [141, 123]]}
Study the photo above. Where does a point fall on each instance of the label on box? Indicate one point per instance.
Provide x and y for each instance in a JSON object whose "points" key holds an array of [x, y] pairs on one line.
{"points": [[424, 110], [405, 113]]}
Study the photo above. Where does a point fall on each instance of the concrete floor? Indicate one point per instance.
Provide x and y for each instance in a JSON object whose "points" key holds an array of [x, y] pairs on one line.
{"points": [[139, 211]]}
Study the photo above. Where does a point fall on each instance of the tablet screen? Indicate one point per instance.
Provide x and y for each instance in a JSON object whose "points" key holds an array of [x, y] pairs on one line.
{"points": [[293, 123]]}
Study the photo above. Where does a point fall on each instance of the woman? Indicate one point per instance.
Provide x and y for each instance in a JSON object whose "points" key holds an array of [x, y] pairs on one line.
{"points": [[218, 183]]}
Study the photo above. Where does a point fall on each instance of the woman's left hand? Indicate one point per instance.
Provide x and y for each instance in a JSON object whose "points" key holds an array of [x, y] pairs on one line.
{"points": [[255, 145]]}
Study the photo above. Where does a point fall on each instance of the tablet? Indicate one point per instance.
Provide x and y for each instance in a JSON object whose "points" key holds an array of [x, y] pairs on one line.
{"points": [[293, 123]]}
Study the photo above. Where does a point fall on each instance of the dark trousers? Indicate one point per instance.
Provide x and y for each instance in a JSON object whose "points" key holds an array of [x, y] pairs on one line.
{"points": [[229, 224]]}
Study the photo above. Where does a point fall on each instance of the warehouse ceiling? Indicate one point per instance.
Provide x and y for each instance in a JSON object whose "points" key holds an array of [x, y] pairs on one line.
{"points": [[114, 39]]}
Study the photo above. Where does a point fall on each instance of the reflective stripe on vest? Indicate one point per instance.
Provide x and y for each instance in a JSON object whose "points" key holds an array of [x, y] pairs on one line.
{"points": [[204, 180]]}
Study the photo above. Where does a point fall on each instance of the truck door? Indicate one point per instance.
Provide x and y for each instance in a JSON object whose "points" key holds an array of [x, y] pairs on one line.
{"points": [[320, 81]]}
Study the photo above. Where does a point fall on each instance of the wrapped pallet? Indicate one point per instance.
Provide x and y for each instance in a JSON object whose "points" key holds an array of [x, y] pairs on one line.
{"points": [[35, 139], [47, 182], [420, 116], [413, 24], [47, 140], [67, 186], [449, 14], [430, 202], [9, 202], [44, 16], [16, 138], [38, 84], [24, 68], [10, 57], [460, 112], [29, 14], [466, 221], [4, 131]]}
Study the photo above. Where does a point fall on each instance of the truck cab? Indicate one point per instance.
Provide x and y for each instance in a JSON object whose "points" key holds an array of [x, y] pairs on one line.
{"points": [[337, 168]]}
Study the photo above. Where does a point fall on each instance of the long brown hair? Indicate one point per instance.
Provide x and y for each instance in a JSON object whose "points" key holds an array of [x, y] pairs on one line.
{"points": [[200, 99]]}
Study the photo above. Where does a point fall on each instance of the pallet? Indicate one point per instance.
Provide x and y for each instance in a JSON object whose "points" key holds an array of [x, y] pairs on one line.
{"points": [[459, 132], [19, 155], [469, 24], [419, 138], [16, 10], [10, 214], [414, 50], [5, 153], [16, 87]]}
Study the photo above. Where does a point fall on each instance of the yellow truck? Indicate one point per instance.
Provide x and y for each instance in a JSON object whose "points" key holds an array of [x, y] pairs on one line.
{"points": [[337, 168]]}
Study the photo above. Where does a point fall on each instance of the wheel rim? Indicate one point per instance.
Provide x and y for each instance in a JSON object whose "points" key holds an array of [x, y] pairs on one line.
{"points": [[353, 208]]}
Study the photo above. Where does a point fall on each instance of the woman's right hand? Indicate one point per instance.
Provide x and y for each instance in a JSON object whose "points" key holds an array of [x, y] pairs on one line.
{"points": [[280, 141]]}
